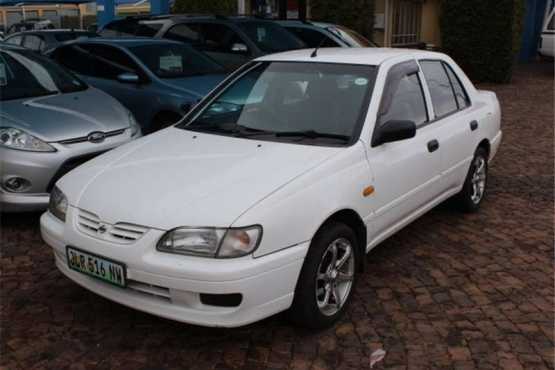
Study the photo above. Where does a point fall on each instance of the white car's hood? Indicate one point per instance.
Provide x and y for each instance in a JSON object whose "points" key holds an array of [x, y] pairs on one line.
{"points": [[181, 178]]}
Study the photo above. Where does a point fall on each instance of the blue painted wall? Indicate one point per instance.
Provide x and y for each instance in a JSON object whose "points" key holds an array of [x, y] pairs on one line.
{"points": [[106, 9], [533, 23]]}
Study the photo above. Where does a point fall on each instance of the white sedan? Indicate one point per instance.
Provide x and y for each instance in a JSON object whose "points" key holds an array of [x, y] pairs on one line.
{"points": [[269, 193]]}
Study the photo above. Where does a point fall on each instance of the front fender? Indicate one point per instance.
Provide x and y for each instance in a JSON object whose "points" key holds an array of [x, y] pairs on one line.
{"points": [[294, 213]]}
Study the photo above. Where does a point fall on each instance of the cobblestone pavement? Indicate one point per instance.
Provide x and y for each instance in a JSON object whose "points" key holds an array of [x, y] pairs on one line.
{"points": [[450, 291]]}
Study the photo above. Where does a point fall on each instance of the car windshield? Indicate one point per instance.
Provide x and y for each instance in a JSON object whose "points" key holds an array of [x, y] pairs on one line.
{"points": [[175, 60], [24, 74], [352, 37], [309, 103], [270, 37]]}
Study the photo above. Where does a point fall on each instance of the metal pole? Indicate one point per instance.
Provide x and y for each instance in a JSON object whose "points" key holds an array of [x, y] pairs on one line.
{"points": [[282, 9], [302, 10]]}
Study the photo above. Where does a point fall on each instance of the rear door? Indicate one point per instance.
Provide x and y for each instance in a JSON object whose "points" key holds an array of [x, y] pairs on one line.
{"points": [[457, 123]]}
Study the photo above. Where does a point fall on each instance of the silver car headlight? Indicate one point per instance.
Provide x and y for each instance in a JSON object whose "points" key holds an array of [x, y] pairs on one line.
{"points": [[134, 127], [17, 139], [211, 242], [58, 204]]}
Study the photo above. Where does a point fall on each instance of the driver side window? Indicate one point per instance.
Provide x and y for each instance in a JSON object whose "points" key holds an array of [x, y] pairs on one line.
{"points": [[403, 97]]}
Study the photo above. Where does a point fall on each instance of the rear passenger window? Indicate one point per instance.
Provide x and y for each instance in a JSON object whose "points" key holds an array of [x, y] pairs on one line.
{"points": [[443, 98], [33, 42], [184, 33], [312, 38], [403, 98], [460, 93], [75, 58]]}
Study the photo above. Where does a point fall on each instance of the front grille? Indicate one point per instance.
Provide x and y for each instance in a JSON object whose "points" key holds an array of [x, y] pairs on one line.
{"points": [[120, 232], [86, 138], [69, 165]]}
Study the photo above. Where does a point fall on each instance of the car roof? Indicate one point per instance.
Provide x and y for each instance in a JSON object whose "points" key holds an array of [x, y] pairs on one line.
{"points": [[51, 31], [194, 17], [366, 56], [125, 41]]}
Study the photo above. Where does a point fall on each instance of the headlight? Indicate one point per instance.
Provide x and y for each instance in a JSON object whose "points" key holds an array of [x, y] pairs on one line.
{"points": [[211, 242], [17, 139], [133, 125], [58, 203]]}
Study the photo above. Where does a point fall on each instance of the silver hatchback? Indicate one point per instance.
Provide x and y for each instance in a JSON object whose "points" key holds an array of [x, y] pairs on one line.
{"points": [[50, 122]]}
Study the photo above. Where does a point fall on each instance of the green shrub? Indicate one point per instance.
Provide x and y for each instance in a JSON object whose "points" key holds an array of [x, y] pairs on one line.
{"points": [[222, 7], [483, 36], [355, 14]]}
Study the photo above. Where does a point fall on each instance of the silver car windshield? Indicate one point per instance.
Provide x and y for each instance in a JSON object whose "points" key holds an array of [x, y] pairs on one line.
{"points": [[316, 103], [24, 74]]}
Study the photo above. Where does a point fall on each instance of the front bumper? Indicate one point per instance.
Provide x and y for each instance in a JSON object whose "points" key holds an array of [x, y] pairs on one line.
{"points": [[43, 169], [494, 145], [170, 286]]}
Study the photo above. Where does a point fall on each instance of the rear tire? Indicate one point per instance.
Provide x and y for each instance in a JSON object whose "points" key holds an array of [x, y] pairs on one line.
{"points": [[327, 279], [474, 188]]}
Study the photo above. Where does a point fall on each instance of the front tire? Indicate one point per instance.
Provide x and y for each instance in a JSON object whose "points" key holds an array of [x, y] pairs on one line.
{"points": [[474, 188], [327, 279]]}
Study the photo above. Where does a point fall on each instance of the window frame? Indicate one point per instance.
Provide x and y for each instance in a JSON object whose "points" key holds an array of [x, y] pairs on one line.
{"points": [[416, 72], [358, 129], [445, 65]]}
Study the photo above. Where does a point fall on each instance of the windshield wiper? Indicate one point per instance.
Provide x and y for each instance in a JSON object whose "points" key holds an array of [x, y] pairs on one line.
{"points": [[236, 130], [312, 134]]}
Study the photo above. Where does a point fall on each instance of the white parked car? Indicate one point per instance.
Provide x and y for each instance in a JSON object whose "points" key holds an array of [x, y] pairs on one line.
{"points": [[547, 40], [268, 194]]}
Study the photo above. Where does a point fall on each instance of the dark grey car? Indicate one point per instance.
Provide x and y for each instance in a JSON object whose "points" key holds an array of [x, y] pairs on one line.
{"points": [[50, 122], [158, 80], [231, 41], [321, 34]]}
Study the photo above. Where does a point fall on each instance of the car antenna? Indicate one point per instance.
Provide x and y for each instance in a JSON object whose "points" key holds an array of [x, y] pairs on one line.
{"points": [[315, 52]]}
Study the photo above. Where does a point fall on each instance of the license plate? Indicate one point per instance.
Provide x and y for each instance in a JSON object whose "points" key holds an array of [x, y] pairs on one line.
{"points": [[96, 266]]}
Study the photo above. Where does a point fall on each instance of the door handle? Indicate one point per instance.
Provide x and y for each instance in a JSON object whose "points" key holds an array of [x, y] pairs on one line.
{"points": [[473, 125], [433, 145]]}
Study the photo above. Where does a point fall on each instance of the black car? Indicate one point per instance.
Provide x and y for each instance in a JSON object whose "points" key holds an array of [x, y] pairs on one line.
{"points": [[43, 40], [231, 41]]}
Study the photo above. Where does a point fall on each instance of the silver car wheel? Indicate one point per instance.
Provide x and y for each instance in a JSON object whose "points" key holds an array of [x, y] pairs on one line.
{"points": [[478, 179], [335, 276]]}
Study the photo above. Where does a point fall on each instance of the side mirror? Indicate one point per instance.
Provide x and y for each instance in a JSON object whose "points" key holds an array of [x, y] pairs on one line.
{"points": [[394, 130], [239, 48], [129, 78]]}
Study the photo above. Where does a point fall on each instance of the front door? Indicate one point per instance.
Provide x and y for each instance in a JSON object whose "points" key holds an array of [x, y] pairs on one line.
{"points": [[406, 173]]}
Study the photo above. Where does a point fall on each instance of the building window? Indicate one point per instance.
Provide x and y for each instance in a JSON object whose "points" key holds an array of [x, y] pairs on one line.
{"points": [[406, 23]]}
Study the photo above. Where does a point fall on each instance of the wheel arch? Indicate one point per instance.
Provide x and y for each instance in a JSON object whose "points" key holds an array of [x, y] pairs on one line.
{"points": [[352, 219], [485, 144]]}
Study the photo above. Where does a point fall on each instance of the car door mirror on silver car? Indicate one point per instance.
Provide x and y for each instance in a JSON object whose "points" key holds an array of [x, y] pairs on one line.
{"points": [[239, 48], [129, 78], [394, 130]]}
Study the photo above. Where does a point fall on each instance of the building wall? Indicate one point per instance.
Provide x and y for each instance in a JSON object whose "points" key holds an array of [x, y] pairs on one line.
{"points": [[430, 30], [380, 10]]}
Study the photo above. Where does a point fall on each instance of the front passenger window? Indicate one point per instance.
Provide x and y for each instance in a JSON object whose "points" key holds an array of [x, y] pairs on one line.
{"points": [[403, 98]]}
